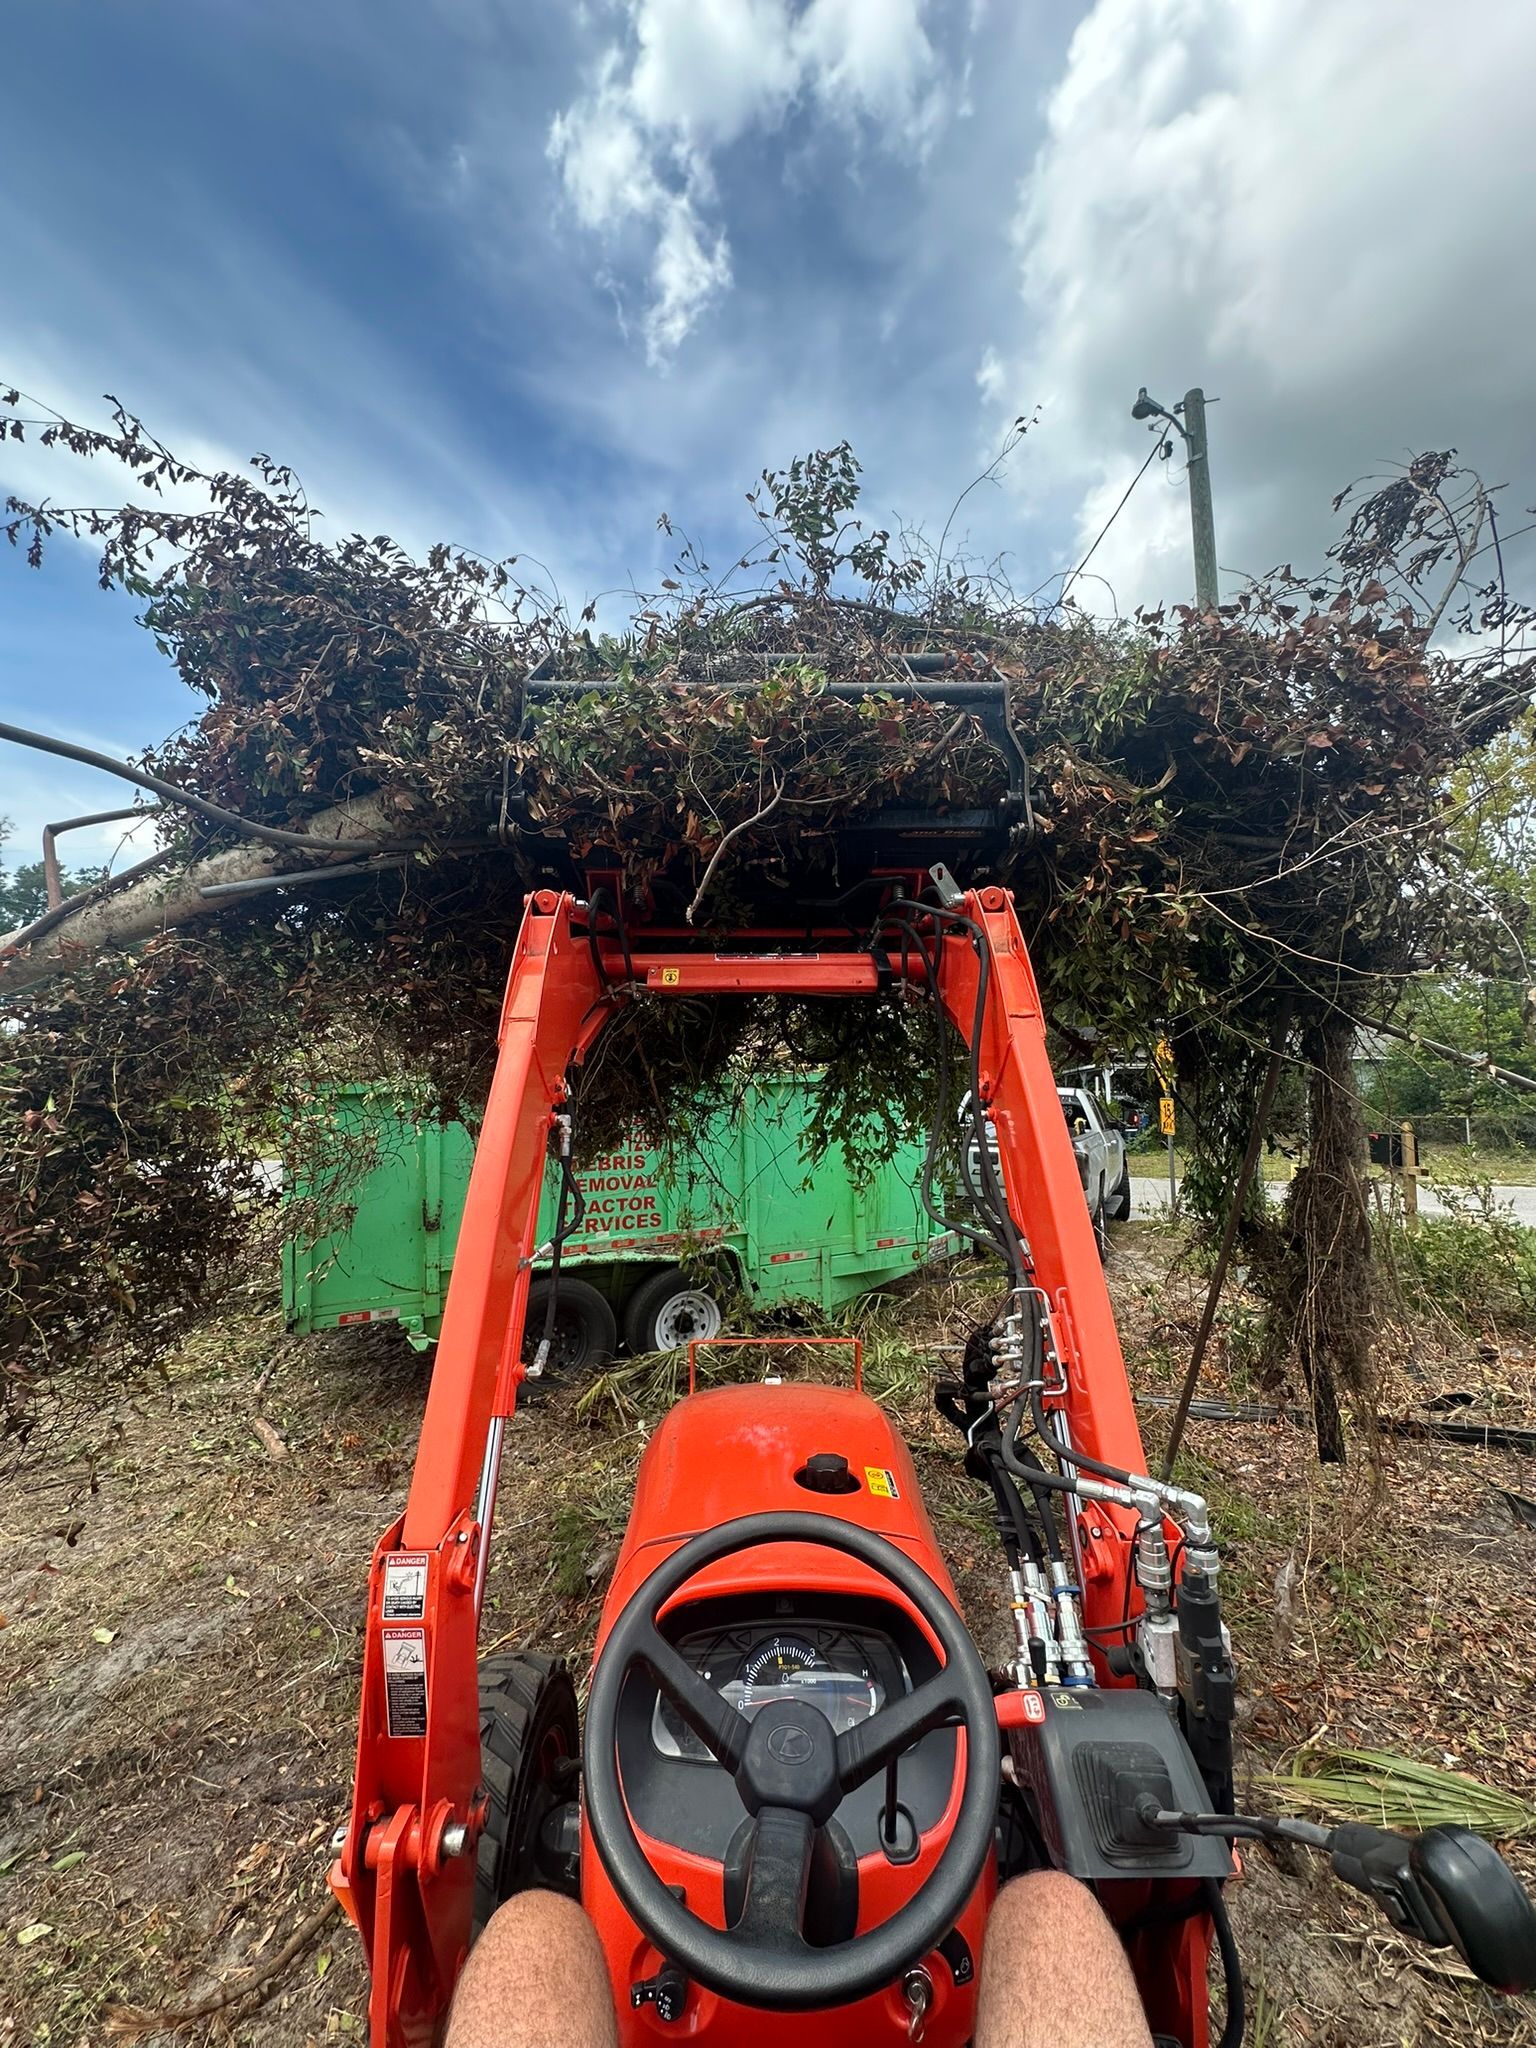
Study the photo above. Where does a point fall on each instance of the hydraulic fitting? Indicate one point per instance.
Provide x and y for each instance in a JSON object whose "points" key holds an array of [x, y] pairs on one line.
{"points": [[1076, 1666], [1157, 1632], [1038, 1661]]}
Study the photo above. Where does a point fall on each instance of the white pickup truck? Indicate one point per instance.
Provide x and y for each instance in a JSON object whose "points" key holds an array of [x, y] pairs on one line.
{"points": [[1099, 1147], [1101, 1162]]}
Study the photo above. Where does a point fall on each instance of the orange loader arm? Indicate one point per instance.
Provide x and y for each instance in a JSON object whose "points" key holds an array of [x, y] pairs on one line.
{"points": [[405, 1864]]}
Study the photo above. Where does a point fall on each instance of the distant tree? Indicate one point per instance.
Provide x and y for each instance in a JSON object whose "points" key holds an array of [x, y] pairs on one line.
{"points": [[1486, 1018]]}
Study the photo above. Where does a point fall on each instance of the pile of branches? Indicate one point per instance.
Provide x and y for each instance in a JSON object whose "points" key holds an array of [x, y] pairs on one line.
{"points": [[1242, 824]]}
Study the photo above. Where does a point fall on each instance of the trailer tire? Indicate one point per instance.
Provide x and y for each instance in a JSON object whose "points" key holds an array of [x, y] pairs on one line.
{"points": [[1120, 1200], [530, 1760], [667, 1310], [586, 1332]]}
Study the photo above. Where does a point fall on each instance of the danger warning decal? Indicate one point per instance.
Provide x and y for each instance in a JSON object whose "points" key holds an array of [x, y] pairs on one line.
{"points": [[881, 1482], [405, 1680], [405, 1585]]}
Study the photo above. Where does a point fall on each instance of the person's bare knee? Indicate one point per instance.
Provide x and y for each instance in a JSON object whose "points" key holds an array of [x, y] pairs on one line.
{"points": [[1053, 1973], [536, 1975]]}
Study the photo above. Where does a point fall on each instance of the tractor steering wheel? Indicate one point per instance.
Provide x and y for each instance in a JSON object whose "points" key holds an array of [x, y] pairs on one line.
{"points": [[791, 1772]]}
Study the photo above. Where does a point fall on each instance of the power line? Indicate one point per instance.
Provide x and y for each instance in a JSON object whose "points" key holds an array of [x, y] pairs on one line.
{"points": [[1109, 522]]}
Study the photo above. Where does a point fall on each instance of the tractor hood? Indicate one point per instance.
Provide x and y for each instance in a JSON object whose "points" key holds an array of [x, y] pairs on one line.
{"points": [[774, 1448]]}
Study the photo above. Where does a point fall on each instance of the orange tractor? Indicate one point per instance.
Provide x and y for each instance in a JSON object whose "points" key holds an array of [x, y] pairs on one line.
{"points": [[799, 1785]]}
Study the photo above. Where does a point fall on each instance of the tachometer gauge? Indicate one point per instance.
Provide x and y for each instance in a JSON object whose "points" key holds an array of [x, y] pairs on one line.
{"points": [[835, 1677], [774, 1663], [826, 1666]]}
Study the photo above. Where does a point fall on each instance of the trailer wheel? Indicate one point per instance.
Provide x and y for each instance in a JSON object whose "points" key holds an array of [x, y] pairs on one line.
{"points": [[586, 1332], [667, 1310], [530, 1751], [1120, 1200]]}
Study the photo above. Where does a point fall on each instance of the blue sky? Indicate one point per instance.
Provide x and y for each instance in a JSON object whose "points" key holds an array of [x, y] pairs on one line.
{"points": [[524, 277]]}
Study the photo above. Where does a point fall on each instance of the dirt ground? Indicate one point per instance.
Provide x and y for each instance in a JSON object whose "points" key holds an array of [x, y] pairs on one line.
{"points": [[179, 1647]]}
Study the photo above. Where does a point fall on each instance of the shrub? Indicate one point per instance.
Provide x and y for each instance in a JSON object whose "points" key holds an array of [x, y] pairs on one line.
{"points": [[1475, 1264]]}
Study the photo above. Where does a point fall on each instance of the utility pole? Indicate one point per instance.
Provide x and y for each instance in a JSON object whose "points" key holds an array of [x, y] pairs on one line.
{"points": [[1202, 518]]}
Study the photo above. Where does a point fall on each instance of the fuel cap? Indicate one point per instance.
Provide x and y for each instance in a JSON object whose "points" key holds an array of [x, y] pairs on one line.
{"points": [[826, 1472]]}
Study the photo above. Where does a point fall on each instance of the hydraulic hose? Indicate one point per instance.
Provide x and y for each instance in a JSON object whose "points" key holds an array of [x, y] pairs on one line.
{"points": [[601, 901], [1010, 1508], [1041, 1494], [911, 935], [1064, 1451], [1014, 1458], [1231, 1966], [1010, 1241], [570, 1187]]}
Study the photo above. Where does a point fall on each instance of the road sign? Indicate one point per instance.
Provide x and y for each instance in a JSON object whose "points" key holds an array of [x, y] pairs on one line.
{"points": [[1162, 1060], [1165, 1121]]}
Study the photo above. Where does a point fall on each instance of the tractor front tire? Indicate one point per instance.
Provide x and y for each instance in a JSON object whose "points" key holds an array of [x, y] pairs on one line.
{"points": [[667, 1310], [530, 1750], [586, 1332]]}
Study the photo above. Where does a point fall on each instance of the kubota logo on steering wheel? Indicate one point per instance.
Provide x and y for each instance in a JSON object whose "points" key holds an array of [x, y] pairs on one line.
{"points": [[790, 1745]]}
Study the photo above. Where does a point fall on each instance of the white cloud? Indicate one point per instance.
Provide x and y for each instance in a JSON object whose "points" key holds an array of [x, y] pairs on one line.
{"points": [[689, 269], [611, 178], [1309, 209], [707, 70], [872, 54], [687, 78]]}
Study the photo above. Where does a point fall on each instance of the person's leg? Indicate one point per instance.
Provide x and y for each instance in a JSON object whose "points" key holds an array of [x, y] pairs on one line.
{"points": [[1053, 1973], [534, 1979]]}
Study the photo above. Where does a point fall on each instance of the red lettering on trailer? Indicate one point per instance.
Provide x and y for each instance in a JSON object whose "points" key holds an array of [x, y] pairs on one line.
{"points": [[620, 1205], [614, 1183], [884, 1244], [783, 1258]]}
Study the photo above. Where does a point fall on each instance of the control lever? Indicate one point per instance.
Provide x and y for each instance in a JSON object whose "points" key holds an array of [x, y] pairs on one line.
{"points": [[667, 1991], [1452, 1889], [1447, 1887]]}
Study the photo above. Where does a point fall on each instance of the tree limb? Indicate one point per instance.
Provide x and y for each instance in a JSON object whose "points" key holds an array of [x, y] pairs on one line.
{"points": [[714, 859], [158, 902]]}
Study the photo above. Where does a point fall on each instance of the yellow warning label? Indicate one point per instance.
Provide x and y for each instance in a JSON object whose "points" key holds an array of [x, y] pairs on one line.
{"points": [[881, 1483], [1165, 1121], [671, 976]]}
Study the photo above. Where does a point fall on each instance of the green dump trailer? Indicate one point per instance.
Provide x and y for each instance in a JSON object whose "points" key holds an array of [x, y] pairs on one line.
{"points": [[661, 1244]]}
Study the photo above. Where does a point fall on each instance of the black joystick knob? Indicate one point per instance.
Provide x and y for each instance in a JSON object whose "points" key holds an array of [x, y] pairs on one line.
{"points": [[826, 1472]]}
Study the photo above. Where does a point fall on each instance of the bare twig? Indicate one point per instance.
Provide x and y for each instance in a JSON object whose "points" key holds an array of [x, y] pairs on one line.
{"points": [[1466, 546], [134, 2021], [745, 825]]}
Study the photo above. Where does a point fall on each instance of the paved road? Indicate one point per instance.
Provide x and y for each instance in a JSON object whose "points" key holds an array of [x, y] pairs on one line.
{"points": [[1149, 1197]]}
